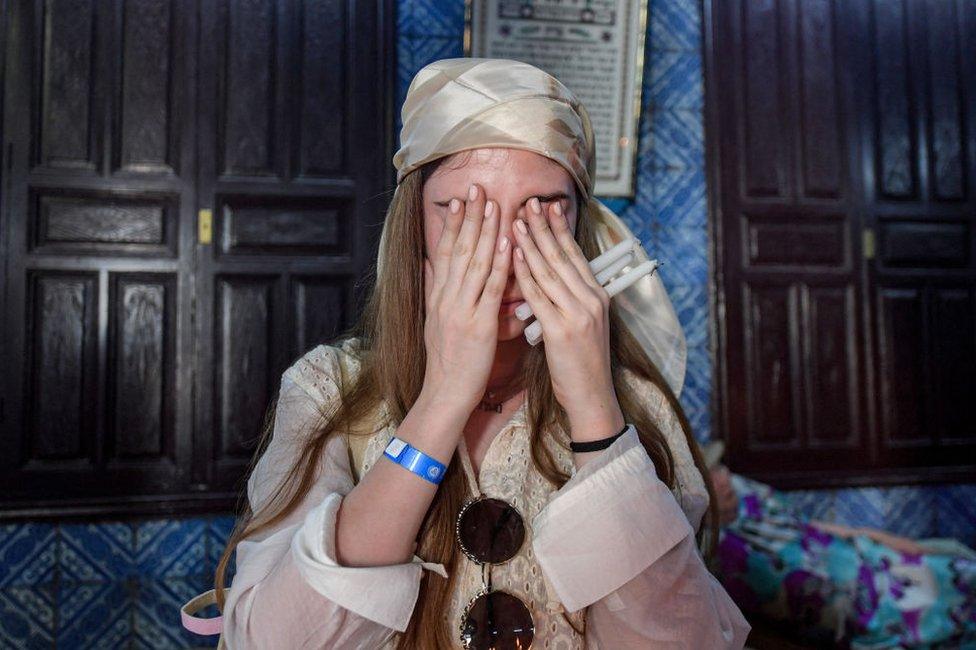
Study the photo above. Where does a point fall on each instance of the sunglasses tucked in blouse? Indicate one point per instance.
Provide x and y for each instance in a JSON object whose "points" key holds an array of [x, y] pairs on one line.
{"points": [[613, 549]]}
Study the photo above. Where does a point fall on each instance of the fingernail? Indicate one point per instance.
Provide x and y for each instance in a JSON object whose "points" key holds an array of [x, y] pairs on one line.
{"points": [[503, 245], [521, 226], [472, 193], [455, 206], [489, 209], [535, 205], [519, 254], [558, 209]]}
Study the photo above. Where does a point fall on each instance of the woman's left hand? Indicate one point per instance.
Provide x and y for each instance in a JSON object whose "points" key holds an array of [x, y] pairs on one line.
{"points": [[556, 280]]}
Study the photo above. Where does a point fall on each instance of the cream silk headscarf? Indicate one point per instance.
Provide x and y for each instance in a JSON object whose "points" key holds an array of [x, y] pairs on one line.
{"points": [[469, 103]]}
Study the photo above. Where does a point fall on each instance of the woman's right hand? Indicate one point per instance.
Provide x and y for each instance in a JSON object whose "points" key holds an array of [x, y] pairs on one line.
{"points": [[463, 286]]}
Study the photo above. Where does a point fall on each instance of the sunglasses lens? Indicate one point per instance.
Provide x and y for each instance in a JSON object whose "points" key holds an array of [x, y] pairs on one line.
{"points": [[491, 530], [497, 621]]}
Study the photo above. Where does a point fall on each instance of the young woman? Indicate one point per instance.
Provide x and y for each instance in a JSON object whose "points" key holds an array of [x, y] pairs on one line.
{"points": [[434, 481]]}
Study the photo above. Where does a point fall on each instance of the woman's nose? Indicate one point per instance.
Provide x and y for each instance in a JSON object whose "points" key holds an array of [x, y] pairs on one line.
{"points": [[506, 225]]}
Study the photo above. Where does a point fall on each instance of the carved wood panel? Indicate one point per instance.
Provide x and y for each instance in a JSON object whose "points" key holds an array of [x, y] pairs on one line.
{"points": [[97, 224], [842, 148], [919, 200], [142, 402], [138, 360], [293, 180]]}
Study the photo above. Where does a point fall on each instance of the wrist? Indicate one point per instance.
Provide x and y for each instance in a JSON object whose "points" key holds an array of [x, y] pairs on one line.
{"points": [[582, 432], [596, 424], [439, 406], [433, 427], [415, 461]]}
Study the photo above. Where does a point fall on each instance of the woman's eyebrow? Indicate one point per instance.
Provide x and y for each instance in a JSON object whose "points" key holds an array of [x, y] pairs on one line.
{"points": [[445, 202], [543, 198]]}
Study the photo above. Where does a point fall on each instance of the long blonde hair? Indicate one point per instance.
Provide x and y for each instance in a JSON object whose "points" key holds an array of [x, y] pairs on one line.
{"points": [[392, 359]]}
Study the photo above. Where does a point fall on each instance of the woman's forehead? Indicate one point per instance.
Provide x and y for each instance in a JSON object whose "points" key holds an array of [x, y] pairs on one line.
{"points": [[515, 167]]}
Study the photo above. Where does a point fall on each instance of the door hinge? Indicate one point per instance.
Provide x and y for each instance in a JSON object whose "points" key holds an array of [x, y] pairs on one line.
{"points": [[205, 226], [867, 243]]}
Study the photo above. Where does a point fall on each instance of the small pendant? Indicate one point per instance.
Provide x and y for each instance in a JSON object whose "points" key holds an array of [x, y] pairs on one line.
{"points": [[488, 406]]}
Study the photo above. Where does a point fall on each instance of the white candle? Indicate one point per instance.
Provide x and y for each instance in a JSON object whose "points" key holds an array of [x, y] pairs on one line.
{"points": [[613, 253], [604, 276], [604, 267], [533, 332], [630, 277]]}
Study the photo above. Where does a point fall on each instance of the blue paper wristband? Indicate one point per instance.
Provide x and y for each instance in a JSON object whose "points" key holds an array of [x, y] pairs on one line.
{"points": [[411, 458]]}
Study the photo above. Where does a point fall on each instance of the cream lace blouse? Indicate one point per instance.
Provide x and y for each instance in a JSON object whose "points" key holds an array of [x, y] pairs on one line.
{"points": [[613, 548]]}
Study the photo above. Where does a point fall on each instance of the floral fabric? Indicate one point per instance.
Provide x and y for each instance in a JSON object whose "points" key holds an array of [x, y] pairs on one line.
{"points": [[853, 592]]}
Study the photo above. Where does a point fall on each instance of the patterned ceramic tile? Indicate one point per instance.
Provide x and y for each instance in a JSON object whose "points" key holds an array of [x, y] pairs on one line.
{"points": [[675, 24], [417, 51], [156, 622], [813, 504], [643, 207], [675, 80], [691, 305], [636, 219], [680, 199], [694, 399], [910, 511], [218, 532], [616, 203], [26, 617], [684, 252], [645, 146], [27, 554], [96, 552], [698, 376], [955, 507], [94, 615], [413, 53], [171, 548], [860, 507], [430, 18], [678, 137], [701, 424]]}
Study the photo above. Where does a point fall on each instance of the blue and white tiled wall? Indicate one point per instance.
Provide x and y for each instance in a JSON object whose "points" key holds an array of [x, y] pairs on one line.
{"points": [[111, 585], [105, 585]]}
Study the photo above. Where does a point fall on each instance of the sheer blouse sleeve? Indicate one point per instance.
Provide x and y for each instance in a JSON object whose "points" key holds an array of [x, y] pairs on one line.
{"points": [[289, 591], [616, 540]]}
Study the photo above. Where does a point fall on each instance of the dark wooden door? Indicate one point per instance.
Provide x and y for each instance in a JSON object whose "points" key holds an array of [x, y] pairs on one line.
{"points": [[295, 136], [139, 353], [98, 208], [841, 150], [919, 178]]}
